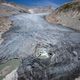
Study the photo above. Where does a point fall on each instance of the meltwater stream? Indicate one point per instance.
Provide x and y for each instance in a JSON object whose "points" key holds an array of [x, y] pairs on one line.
{"points": [[30, 29]]}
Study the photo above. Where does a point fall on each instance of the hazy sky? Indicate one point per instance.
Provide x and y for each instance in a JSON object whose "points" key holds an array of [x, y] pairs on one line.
{"points": [[39, 2]]}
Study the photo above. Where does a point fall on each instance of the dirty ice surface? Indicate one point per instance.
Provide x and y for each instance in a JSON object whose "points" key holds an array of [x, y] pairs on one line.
{"points": [[30, 29]]}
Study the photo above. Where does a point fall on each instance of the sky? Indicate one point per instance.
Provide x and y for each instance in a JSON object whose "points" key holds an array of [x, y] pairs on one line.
{"points": [[40, 2]]}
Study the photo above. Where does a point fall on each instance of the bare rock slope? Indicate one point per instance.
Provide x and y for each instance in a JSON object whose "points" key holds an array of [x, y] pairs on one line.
{"points": [[67, 15]]}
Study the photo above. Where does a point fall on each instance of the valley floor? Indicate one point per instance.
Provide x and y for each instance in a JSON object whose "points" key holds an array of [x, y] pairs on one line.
{"points": [[27, 30]]}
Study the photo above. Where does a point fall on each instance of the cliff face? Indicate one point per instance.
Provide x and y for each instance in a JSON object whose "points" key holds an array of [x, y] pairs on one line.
{"points": [[67, 15]]}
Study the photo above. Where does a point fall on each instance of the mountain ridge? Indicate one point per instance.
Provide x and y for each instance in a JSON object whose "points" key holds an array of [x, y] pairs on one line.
{"points": [[67, 15]]}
